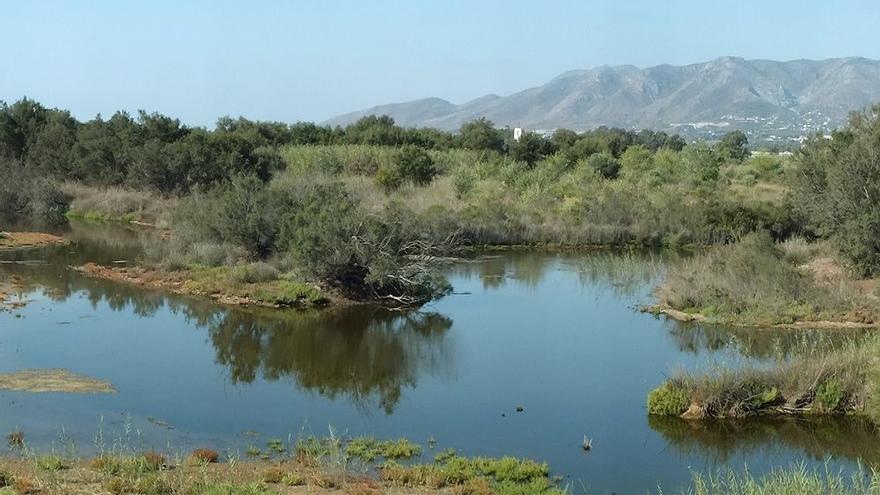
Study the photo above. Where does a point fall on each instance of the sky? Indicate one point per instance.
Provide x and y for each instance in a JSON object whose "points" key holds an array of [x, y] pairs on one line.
{"points": [[312, 60]]}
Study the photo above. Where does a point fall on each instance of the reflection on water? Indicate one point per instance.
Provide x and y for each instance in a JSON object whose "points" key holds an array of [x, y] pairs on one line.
{"points": [[819, 438], [362, 353], [559, 334], [760, 344]]}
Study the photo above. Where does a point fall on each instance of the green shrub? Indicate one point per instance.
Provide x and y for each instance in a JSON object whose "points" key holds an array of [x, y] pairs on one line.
{"points": [[830, 395], [669, 399], [389, 178], [415, 165], [606, 165]]}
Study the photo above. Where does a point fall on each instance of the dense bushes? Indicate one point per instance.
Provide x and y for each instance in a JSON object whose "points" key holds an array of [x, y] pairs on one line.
{"points": [[837, 186], [26, 195], [314, 225]]}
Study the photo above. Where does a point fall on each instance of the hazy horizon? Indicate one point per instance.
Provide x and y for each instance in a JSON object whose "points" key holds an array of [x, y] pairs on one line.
{"points": [[307, 61]]}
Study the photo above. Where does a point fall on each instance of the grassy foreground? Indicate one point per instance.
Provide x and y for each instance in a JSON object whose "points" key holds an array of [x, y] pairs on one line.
{"points": [[358, 466]]}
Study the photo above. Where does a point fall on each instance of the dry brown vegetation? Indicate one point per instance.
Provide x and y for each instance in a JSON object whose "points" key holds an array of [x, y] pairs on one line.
{"points": [[24, 240]]}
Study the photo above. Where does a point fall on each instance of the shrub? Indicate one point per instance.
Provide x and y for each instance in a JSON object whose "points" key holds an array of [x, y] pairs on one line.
{"points": [[239, 212], [415, 165], [669, 399], [606, 165], [829, 395], [389, 178]]}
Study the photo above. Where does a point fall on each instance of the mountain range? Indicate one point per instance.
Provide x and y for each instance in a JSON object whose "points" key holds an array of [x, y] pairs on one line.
{"points": [[767, 99]]}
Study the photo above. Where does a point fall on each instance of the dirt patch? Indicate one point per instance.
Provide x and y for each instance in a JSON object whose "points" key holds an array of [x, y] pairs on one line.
{"points": [[54, 380], [23, 240]]}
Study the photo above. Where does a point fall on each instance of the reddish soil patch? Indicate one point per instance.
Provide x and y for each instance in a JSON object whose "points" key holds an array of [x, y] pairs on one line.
{"points": [[19, 240]]}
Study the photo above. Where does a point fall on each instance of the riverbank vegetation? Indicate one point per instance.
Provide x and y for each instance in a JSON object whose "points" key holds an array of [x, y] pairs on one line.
{"points": [[757, 282], [842, 380], [310, 466], [797, 479], [367, 210]]}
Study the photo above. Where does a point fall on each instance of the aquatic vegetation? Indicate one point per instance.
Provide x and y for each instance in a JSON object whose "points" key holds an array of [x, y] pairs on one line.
{"points": [[506, 475], [53, 380], [669, 399], [369, 449], [815, 381]]}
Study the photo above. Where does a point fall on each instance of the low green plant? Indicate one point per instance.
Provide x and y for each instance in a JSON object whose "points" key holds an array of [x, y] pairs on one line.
{"points": [[669, 399], [50, 462], [368, 449], [829, 395]]}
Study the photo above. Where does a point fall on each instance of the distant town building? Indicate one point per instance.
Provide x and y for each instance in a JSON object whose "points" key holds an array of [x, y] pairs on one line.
{"points": [[517, 133]]}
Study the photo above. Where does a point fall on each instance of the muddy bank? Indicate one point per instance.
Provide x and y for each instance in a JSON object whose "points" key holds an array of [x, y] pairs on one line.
{"points": [[26, 240], [214, 283]]}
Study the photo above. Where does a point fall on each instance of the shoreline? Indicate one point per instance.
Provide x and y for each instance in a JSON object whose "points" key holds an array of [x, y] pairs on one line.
{"points": [[686, 317]]}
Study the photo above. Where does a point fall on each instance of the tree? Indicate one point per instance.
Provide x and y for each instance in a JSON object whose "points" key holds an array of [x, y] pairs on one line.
{"points": [[374, 130], [481, 134], [734, 144], [19, 125], [530, 148], [415, 165], [837, 187], [606, 165]]}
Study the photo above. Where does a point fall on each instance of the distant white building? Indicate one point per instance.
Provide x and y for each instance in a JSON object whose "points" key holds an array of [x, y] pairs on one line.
{"points": [[517, 133]]}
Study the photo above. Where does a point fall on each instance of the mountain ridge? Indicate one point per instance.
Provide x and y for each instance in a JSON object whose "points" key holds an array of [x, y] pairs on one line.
{"points": [[766, 98]]}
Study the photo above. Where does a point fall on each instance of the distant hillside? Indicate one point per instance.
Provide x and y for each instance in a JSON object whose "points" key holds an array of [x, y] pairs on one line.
{"points": [[770, 100]]}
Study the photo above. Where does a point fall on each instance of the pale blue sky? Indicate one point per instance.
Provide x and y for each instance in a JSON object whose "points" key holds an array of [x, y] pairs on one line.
{"points": [[311, 60]]}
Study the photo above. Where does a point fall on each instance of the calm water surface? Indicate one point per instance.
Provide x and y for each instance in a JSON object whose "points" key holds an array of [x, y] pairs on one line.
{"points": [[558, 335]]}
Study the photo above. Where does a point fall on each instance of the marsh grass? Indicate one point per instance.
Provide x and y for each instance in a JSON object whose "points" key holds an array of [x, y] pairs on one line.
{"points": [[117, 204], [815, 380], [757, 282], [797, 479]]}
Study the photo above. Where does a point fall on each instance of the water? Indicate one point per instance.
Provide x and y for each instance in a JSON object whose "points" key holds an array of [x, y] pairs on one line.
{"points": [[558, 335]]}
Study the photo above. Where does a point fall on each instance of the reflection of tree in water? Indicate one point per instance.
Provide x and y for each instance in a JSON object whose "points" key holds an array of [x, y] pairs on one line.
{"points": [[358, 352], [627, 273], [754, 342], [494, 271], [849, 437]]}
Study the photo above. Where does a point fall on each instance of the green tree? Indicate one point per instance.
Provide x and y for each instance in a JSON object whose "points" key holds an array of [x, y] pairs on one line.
{"points": [[415, 165], [605, 165], [734, 145], [530, 148], [837, 187], [481, 134]]}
